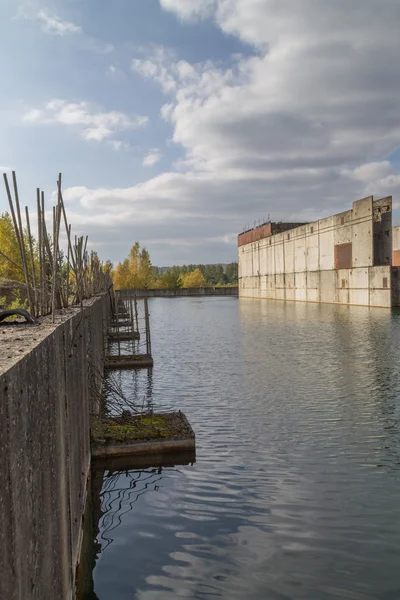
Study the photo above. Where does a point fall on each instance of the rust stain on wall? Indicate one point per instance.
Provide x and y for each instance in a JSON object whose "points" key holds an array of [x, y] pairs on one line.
{"points": [[396, 258], [343, 256]]}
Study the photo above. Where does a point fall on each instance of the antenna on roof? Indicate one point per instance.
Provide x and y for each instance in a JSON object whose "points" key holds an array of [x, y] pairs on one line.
{"points": [[269, 216]]}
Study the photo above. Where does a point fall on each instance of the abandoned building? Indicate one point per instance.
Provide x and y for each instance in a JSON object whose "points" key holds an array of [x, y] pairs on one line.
{"points": [[350, 258]]}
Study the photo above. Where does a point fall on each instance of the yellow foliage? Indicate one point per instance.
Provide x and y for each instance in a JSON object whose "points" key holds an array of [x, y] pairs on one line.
{"points": [[193, 279], [135, 272], [9, 245]]}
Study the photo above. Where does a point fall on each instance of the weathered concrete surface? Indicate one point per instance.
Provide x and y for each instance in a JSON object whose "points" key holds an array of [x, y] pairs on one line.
{"points": [[46, 394], [179, 292], [344, 259]]}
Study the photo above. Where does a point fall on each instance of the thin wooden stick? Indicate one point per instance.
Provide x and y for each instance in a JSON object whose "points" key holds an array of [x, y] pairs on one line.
{"points": [[147, 320], [56, 231], [28, 224], [40, 242], [24, 260], [46, 248], [68, 258], [12, 261], [19, 235]]}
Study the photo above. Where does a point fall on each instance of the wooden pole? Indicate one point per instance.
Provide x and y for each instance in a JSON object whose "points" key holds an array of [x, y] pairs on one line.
{"points": [[147, 321], [40, 243], [119, 342], [28, 224], [24, 259], [19, 233], [68, 259], [136, 313], [11, 261]]}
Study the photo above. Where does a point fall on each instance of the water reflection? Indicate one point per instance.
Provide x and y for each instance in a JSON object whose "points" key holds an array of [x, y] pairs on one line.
{"points": [[296, 490]]}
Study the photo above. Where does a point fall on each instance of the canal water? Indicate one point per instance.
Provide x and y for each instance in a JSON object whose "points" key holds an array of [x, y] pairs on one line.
{"points": [[295, 492]]}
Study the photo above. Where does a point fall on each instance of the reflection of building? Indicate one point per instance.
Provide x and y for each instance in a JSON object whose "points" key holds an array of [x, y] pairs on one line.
{"points": [[344, 259]]}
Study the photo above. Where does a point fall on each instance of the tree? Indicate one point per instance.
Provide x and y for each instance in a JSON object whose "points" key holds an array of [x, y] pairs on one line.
{"points": [[170, 279], [146, 272], [193, 279], [122, 277], [9, 246], [136, 271], [231, 272]]}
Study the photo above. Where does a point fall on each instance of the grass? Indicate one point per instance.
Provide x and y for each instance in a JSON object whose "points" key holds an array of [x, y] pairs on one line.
{"points": [[130, 429]]}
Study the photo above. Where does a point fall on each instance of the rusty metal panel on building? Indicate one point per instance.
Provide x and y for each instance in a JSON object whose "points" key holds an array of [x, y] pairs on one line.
{"points": [[396, 258], [343, 256], [254, 235]]}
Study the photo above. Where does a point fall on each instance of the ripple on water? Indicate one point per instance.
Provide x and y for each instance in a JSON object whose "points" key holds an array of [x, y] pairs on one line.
{"points": [[296, 488]]}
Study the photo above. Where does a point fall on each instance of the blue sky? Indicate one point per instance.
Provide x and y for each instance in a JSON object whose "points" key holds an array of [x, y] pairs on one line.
{"points": [[179, 122]]}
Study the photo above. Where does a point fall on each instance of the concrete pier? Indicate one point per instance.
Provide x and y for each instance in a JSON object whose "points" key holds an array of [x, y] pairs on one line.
{"points": [[48, 380]]}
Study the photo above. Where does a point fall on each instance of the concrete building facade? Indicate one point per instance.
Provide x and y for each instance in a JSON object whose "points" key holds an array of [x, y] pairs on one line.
{"points": [[343, 259]]}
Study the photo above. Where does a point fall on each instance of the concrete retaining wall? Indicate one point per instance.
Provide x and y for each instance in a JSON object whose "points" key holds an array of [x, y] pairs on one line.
{"points": [[180, 292], [46, 394], [342, 259]]}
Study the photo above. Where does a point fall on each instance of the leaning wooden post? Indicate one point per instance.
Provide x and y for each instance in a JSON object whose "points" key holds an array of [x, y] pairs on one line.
{"points": [[19, 234], [136, 313], [28, 224], [119, 342], [56, 231], [68, 265], [40, 244], [147, 321], [24, 259]]}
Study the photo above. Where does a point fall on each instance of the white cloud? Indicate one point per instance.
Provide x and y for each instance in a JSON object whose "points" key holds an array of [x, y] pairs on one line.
{"points": [[152, 158], [92, 124], [118, 145], [52, 24], [155, 66], [299, 129], [190, 9], [56, 26]]}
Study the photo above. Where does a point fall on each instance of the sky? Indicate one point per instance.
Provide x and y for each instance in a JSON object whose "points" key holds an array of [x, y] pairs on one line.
{"points": [[180, 123]]}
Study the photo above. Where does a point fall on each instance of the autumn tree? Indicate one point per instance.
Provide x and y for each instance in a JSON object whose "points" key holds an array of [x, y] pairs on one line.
{"points": [[136, 271], [122, 276], [9, 247], [169, 279], [193, 279]]}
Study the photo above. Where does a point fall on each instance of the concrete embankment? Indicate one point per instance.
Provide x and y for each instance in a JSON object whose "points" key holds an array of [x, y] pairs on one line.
{"points": [[179, 292], [48, 377]]}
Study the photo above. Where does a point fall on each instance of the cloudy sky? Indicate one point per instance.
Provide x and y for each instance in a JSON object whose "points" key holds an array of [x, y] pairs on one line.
{"points": [[180, 122]]}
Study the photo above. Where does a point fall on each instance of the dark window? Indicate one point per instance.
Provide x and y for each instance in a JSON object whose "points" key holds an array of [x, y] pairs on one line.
{"points": [[342, 220], [343, 256], [312, 229], [288, 236], [385, 282], [343, 283]]}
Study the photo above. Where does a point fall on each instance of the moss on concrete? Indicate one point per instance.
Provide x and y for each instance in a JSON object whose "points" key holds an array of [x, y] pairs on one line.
{"points": [[119, 430]]}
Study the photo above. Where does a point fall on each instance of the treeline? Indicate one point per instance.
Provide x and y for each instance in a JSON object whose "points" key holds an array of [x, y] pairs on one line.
{"points": [[137, 271]]}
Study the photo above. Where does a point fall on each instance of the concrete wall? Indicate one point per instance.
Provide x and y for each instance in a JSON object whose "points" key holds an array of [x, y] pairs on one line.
{"points": [[341, 259], [396, 247], [46, 396], [180, 292]]}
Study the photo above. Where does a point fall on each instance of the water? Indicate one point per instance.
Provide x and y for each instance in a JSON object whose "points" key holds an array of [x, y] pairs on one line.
{"points": [[295, 493]]}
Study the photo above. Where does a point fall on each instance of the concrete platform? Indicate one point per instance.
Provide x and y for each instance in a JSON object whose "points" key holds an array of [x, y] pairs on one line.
{"points": [[121, 324], [129, 361], [142, 435], [123, 336]]}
